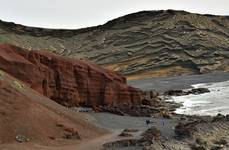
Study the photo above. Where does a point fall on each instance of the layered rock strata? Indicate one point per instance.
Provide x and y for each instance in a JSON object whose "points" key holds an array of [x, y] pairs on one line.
{"points": [[143, 44], [69, 82]]}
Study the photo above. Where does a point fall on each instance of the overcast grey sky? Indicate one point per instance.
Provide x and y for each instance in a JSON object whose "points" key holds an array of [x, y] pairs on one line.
{"points": [[84, 13]]}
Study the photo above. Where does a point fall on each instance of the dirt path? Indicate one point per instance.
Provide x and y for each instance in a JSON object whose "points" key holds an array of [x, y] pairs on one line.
{"points": [[95, 144]]}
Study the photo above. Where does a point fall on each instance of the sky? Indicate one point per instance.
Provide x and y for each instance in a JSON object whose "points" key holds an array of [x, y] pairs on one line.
{"points": [[74, 14]]}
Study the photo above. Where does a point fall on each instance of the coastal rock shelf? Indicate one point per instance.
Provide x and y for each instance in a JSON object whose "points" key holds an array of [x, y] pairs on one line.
{"points": [[69, 82], [194, 91]]}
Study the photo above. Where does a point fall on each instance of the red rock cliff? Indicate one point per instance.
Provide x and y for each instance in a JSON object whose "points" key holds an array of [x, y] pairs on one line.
{"points": [[67, 81]]}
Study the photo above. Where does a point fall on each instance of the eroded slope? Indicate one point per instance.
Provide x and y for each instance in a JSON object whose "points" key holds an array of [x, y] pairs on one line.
{"points": [[148, 43], [27, 116], [69, 82]]}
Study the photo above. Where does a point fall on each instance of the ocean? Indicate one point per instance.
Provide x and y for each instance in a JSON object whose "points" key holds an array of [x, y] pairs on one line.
{"points": [[217, 101]]}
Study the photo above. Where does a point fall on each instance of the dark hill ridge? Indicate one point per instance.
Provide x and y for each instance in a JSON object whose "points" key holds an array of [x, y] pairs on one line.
{"points": [[143, 44]]}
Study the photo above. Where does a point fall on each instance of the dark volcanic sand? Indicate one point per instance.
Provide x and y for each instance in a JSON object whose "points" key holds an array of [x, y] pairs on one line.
{"points": [[178, 82], [115, 122]]}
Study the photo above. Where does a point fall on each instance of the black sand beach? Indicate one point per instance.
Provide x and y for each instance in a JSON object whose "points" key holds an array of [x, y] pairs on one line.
{"points": [[178, 82], [114, 122]]}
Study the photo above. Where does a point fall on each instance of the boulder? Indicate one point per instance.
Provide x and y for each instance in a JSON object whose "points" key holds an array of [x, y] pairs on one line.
{"points": [[199, 91], [227, 117], [175, 93], [125, 134], [219, 117], [22, 138], [152, 133], [130, 130], [146, 102], [185, 129], [151, 94]]}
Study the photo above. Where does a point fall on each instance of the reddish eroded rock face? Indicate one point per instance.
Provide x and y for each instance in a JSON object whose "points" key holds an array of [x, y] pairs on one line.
{"points": [[28, 116], [68, 81]]}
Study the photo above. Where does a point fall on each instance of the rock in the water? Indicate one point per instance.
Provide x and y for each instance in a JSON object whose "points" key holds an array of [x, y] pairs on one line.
{"points": [[199, 91], [219, 117], [175, 93], [227, 117], [195, 91]]}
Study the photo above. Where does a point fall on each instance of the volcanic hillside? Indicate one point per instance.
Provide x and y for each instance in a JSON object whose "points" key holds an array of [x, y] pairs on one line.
{"points": [[27, 116], [143, 44], [29, 78]]}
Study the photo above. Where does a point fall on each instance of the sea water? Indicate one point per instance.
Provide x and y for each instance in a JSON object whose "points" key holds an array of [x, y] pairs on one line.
{"points": [[217, 101]]}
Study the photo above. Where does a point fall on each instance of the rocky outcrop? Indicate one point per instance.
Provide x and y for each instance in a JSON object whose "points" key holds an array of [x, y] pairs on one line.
{"points": [[69, 82], [152, 105], [205, 132], [193, 133], [143, 44], [195, 91], [190, 126]]}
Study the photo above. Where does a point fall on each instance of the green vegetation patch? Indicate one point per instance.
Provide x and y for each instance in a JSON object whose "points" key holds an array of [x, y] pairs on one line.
{"points": [[1, 74], [17, 85]]}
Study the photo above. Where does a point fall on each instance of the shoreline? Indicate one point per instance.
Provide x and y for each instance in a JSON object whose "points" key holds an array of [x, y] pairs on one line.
{"points": [[210, 103], [178, 82]]}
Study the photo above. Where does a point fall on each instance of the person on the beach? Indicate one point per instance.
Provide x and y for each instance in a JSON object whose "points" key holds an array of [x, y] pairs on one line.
{"points": [[147, 122]]}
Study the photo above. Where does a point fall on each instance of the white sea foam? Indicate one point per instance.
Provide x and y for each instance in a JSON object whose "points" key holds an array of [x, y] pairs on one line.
{"points": [[217, 101]]}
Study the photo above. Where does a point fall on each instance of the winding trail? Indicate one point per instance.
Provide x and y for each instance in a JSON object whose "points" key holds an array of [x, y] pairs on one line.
{"points": [[97, 143]]}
